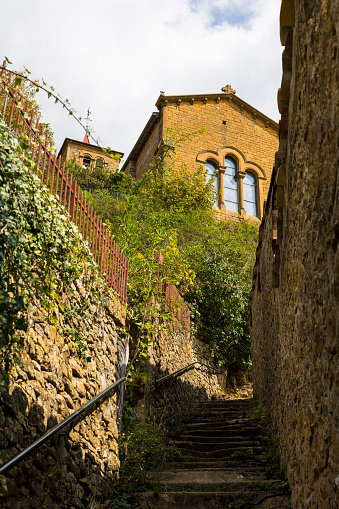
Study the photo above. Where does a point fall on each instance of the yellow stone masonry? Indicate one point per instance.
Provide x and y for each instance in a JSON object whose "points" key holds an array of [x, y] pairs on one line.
{"points": [[232, 128], [78, 150]]}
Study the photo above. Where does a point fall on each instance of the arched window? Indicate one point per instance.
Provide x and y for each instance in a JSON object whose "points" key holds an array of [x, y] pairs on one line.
{"points": [[99, 162], [231, 185], [250, 194], [212, 173], [86, 163]]}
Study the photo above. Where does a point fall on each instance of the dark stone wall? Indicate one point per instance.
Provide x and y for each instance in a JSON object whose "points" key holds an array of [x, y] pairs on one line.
{"points": [[294, 304], [79, 467]]}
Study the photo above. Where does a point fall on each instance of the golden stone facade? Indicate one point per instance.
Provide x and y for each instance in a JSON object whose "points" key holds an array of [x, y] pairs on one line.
{"points": [[89, 156], [235, 134]]}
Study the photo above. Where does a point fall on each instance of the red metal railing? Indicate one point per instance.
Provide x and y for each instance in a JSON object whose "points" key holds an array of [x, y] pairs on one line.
{"points": [[174, 300], [23, 120]]}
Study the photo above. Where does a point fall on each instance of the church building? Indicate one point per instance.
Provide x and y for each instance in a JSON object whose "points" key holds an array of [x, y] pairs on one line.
{"points": [[89, 156], [237, 146]]}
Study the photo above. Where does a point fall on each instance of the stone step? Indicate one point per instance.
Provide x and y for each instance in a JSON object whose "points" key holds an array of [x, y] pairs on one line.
{"points": [[224, 443], [241, 452], [207, 500], [213, 422], [252, 463], [209, 480], [221, 414], [220, 464], [220, 432], [215, 438], [231, 403]]}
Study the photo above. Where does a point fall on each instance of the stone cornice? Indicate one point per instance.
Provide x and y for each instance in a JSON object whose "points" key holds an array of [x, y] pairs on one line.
{"points": [[177, 100]]}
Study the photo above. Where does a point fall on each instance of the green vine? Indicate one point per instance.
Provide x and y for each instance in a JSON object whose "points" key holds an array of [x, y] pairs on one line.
{"points": [[51, 93], [41, 255]]}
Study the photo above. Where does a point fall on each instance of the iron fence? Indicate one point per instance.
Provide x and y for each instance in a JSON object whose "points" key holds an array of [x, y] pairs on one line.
{"points": [[23, 120], [174, 300]]}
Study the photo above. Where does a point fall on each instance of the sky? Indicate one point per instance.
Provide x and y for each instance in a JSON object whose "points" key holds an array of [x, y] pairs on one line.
{"points": [[115, 57]]}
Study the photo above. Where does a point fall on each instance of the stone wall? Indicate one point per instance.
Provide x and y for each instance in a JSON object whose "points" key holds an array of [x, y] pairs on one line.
{"points": [[72, 149], [294, 307], [168, 402], [72, 470], [222, 125], [228, 123]]}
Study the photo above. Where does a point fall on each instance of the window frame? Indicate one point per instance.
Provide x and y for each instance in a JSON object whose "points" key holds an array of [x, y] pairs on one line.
{"points": [[214, 163], [102, 162], [243, 167], [88, 166]]}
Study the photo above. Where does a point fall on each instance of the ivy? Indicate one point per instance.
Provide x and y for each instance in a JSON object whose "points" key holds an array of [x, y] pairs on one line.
{"points": [[41, 255]]}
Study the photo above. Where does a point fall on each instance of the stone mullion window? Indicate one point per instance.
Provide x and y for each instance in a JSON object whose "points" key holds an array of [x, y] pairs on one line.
{"points": [[221, 187], [212, 172], [231, 188], [250, 194], [241, 176]]}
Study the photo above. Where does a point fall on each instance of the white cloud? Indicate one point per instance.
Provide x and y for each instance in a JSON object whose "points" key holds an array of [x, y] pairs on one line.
{"points": [[116, 56]]}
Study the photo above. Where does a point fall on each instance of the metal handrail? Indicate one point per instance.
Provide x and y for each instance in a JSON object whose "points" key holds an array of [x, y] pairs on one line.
{"points": [[182, 370], [72, 420]]}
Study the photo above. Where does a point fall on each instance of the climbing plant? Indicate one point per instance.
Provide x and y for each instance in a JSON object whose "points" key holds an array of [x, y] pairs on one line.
{"points": [[170, 208], [41, 254]]}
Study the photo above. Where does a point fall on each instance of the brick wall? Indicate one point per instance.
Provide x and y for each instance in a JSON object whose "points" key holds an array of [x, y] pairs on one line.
{"points": [[242, 130]]}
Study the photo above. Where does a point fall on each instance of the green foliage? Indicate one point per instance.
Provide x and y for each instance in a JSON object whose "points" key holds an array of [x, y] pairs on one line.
{"points": [[222, 258], [170, 208], [120, 501], [264, 486], [41, 254], [145, 450], [242, 454], [241, 503], [3, 484], [93, 178]]}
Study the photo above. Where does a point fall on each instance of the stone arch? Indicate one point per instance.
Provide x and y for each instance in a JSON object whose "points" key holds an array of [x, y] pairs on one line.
{"points": [[208, 155], [256, 169], [232, 152]]}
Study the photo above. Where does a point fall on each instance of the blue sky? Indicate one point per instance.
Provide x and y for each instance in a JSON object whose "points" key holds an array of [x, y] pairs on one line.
{"points": [[233, 17], [116, 56]]}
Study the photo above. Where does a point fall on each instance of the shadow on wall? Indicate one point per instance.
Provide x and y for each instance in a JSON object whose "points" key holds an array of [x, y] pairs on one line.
{"points": [[170, 401], [65, 471]]}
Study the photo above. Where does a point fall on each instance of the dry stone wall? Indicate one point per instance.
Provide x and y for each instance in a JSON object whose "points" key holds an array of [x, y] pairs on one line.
{"points": [[71, 470], [294, 307], [168, 402]]}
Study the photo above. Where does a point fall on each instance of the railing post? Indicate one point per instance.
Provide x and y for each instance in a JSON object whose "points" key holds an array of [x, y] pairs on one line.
{"points": [[72, 198]]}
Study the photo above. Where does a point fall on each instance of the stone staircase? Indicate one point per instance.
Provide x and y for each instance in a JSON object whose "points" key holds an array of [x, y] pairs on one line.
{"points": [[221, 465]]}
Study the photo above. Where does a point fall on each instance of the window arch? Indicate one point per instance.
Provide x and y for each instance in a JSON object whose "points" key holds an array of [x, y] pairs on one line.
{"points": [[86, 162], [231, 185], [239, 181], [212, 173], [250, 194], [99, 162]]}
